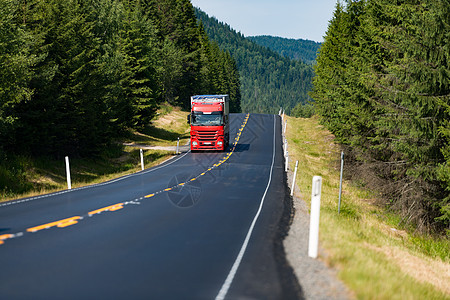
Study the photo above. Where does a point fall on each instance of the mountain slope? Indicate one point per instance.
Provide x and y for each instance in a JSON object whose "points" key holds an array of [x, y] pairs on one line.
{"points": [[268, 80], [299, 49]]}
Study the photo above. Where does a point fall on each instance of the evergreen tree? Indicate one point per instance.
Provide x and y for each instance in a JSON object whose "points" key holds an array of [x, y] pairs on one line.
{"points": [[382, 88], [16, 62], [170, 70], [219, 72], [67, 113], [138, 76], [175, 21]]}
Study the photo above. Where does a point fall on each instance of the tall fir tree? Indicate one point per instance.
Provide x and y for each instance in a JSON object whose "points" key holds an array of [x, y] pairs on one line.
{"points": [[138, 76], [382, 87], [16, 67]]}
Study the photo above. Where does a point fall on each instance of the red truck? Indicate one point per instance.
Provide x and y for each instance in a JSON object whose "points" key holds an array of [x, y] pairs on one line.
{"points": [[209, 119]]}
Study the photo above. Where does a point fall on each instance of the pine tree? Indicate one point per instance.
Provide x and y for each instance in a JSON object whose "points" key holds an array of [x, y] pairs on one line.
{"points": [[16, 62], [138, 76], [175, 21], [67, 113], [382, 87], [169, 70]]}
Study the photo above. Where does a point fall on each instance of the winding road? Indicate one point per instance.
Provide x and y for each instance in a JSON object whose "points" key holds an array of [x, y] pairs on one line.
{"points": [[199, 226]]}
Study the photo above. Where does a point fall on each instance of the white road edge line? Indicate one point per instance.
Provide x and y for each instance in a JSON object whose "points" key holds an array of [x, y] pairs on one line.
{"points": [[94, 185], [229, 280]]}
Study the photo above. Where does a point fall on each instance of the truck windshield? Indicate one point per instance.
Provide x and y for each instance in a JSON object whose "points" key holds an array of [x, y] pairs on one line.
{"points": [[215, 118]]}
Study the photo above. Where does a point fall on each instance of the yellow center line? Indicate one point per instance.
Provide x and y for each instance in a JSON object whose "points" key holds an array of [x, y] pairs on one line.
{"points": [[108, 208], [60, 223], [5, 237], [74, 220]]}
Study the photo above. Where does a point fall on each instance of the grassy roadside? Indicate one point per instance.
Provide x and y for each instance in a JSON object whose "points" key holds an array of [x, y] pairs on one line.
{"points": [[169, 125], [22, 176], [374, 258]]}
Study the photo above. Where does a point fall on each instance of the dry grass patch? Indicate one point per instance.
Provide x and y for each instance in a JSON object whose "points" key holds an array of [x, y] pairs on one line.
{"points": [[175, 119], [423, 269], [169, 125]]}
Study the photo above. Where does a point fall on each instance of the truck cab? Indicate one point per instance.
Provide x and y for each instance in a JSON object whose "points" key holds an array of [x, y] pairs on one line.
{"points": [[209, 119]]}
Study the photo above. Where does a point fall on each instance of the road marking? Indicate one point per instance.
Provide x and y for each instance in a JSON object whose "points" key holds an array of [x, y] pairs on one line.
{"points": [[229, 280], [5, 237], [74, 220], [108, 208], [61, 223]]}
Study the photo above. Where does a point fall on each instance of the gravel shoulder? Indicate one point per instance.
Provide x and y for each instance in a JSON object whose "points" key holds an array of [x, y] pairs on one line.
{"points": [[316, 279]]}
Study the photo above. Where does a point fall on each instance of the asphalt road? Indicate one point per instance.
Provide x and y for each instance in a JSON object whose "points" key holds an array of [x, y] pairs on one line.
{"points": [[200, 226]]}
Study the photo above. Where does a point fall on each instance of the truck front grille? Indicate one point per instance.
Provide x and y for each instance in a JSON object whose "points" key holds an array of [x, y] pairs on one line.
{"points": [[207, 135]]}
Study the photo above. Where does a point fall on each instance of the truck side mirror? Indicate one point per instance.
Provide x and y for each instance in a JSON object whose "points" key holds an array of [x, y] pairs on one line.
{"points": [[189, 118]]}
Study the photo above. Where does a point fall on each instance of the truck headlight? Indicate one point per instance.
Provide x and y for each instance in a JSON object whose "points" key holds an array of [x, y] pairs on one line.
{"points": [[194, 143], [219, 143]]}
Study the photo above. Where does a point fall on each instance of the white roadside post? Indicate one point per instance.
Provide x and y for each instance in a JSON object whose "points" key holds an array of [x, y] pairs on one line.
{"points": [[69, 182], [340, 182], [293, 180], [287, 162], [315, 215], [285, 147], [142, 159], [178, 145], [285, 125]]}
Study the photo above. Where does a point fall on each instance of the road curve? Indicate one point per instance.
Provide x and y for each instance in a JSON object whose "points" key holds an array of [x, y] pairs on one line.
{"points": [[200, 226]]}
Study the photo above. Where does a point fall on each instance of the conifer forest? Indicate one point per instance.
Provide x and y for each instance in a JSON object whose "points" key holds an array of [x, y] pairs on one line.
{"points": [[76, 74], [382, 87]]}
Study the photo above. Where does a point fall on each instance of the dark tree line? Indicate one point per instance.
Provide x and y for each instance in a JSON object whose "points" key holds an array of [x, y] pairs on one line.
{"points": [[268, 80], [75, 75], [299, 49], [383, 88]]}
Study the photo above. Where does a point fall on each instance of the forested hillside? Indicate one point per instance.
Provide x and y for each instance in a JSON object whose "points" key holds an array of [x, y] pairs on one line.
{"points": [[383, 88], [268, 80], [76, 74], [299, 49]]}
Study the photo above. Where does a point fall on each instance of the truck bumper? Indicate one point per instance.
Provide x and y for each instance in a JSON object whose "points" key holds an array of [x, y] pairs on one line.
{"points": [[207, 146]]}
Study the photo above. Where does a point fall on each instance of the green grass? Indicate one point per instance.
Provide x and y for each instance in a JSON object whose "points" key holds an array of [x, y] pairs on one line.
{"points": [[374, 256], [436, 247], [24, 176]]}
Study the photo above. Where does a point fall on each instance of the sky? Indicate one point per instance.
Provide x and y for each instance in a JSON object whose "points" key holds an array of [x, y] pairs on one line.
{"points": [[297, 19]]}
